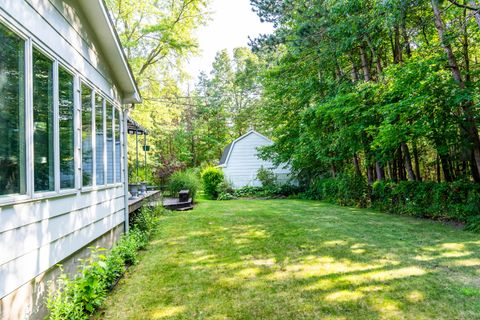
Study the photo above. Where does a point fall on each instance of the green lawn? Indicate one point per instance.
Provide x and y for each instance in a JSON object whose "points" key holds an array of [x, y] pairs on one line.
{"points": [[289, 259]]}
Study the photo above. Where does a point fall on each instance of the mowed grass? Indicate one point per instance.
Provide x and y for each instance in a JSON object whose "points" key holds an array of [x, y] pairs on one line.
{"points": [[292, 259]]}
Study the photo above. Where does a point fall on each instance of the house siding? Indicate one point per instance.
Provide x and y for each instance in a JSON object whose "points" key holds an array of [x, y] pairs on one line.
{"points": [[38, 233], [243, 162]]}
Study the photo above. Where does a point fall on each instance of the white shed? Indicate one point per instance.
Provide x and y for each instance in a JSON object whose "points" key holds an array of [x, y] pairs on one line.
{"points": [[64, 87], [240, 161]]}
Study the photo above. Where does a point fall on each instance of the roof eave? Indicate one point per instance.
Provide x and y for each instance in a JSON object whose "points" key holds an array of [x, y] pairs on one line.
{"points": [[99, 19]]}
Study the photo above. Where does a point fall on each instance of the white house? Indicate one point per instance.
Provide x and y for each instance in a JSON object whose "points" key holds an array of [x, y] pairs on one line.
{"points": [[64, 85], [240, 161]]}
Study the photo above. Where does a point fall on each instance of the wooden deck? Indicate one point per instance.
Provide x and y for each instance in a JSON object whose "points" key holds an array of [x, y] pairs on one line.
{"points": [[175, 204], [151, 196]]}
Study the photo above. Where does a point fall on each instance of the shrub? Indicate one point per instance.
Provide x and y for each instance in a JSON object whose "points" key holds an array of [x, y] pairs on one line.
{"points": [[211, 178], [183, 180], [225, 190], [77, 298], [267, 177]]}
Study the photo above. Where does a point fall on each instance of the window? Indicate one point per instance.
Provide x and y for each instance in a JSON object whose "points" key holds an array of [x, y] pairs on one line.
{"points": [[65, 113], [44, 168], [87, 137], [110, 143], [100, 145], [12, 113], [118, 147]]}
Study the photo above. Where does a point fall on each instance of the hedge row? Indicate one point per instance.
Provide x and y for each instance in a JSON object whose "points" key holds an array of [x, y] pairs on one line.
{"points": [[458, 201]]}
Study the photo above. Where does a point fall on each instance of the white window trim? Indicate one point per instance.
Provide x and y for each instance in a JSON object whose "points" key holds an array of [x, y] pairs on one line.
{"points": [[30, 195]]}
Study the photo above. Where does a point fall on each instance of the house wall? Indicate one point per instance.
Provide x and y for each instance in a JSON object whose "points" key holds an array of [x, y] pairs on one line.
{"points": [[37, 231], [243, 163]]}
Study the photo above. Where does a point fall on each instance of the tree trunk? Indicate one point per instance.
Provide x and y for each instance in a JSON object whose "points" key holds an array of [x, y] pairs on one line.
{"points": [[356, 163], [417, 162], [465, 44], [379, 170], [471, 125], [473, 169], [437, 166], [401, 170], [446, 168], [366, 69], [370, 174], [408, 161], [334, 170], [397, 58]]}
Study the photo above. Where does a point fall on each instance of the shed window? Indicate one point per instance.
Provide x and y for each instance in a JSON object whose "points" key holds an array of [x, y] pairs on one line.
{"points": [[65, 112], [87, 137], [118, 147], [12, 113], [43, 123], [110, 143], [100, 145]]}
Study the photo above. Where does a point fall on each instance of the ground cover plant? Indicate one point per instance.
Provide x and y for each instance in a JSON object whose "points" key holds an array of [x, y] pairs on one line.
{"points": [[77, 297], [300, 259]]}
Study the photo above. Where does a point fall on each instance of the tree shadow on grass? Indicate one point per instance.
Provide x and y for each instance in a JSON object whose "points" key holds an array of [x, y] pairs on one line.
{"points": [[302, 260]]}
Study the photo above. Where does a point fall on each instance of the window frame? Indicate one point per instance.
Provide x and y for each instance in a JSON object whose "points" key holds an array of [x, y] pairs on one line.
{"points": [[27, 118], [42, 194], [30, 195]]}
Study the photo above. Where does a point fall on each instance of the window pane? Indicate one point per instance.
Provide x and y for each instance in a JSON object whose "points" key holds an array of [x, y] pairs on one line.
{"points": [[118, 148], [110, 143], [65, 111], [99, 140], [12, 118], [43, 123], [87, 155]]}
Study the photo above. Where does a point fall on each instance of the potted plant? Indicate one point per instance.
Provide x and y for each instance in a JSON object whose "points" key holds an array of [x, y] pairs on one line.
{"points": [[133, 188]]}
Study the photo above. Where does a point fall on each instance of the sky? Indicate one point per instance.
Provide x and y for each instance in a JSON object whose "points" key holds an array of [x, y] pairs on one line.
{"points": [[232, 21]]}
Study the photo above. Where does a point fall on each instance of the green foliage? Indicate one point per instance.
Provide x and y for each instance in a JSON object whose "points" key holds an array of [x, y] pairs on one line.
{"points": [[78, 297], [225, 190], [184, 180], [348, 190], [458, 201], [266, 177], [272, 191], [211, 178]]}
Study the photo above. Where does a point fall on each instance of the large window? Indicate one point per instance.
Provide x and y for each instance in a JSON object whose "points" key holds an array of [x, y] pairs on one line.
{"points": [[44, 168], [118, 147], [87, 147], [66, 112], [99, 142], [12, 116], [110, 143]]}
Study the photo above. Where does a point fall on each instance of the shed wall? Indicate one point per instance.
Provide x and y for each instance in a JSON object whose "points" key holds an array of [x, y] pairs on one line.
{"points": [[243, 163]]}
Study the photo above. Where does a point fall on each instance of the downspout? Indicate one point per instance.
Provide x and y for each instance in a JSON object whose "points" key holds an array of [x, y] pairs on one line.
{"points": [[125, 166]]}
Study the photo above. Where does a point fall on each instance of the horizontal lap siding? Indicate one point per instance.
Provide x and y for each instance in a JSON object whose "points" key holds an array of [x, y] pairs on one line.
{"points": [[36, 235], [33, 248], [243, 164]]}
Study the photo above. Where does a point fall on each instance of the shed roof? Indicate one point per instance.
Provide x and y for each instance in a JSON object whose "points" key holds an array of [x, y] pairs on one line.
{"points": [[99, 19], [228, 148]]}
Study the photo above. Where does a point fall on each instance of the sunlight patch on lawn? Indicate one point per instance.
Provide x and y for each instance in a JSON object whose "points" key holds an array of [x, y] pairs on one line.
{"points": [[320, 266], [167, 312], [415, 296], [385, 275], [343, 296], [464, 263]]}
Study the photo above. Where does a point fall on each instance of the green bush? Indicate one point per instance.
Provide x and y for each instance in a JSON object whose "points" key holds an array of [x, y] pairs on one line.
{"points": [[211, 178], [459, 201], [183, 180], [266, 177], [78, 297], [225, 190]]}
